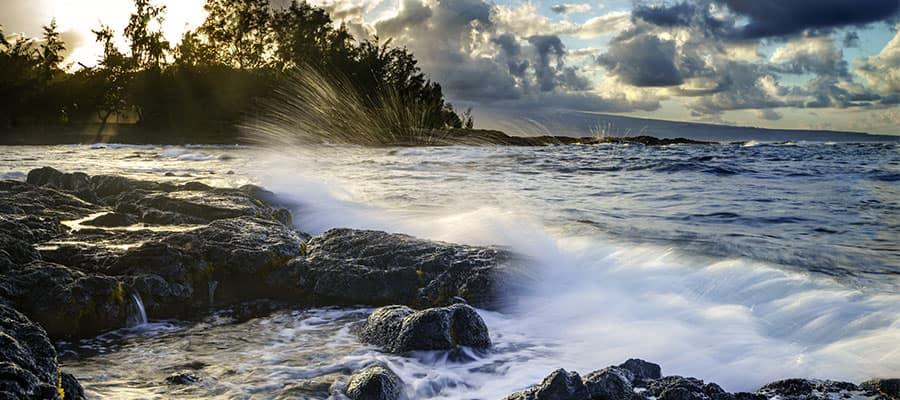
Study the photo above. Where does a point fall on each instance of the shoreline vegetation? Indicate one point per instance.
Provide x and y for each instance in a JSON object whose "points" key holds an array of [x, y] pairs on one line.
{"points": [[216, 78], [79, 252], [251, 73]]}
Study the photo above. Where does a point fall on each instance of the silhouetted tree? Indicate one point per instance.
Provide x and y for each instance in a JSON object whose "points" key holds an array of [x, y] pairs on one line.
{"points": [[241, 52], [50, 52], [148, 45], [110, 79], [239, 31]]}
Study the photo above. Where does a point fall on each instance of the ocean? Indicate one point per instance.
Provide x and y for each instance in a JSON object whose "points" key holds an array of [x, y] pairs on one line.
{"points": [[737, 263]]}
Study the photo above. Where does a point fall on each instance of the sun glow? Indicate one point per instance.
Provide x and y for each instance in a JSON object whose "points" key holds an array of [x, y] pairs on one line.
{"points": [[78, 18]]}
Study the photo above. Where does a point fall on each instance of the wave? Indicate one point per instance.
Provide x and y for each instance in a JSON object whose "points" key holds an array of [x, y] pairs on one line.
{"points": [[599, 300]]}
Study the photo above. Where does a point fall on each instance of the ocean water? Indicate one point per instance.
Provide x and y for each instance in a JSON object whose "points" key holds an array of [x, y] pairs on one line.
{"points": [[739, 264]]}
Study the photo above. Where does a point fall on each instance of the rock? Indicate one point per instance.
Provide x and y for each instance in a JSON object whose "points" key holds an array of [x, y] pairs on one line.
{"points": [[240, 247], [66, 302], [106, 187], [71, 387], [192, 203], [112, 219], [77, 183], [681, 388], [347, 266], [399, 329], [612, 383], [182, 378], [17, 251], [559, 385], [44, 204], [887, 388], [375, 383], [808, 389], [642, 370], [28, 368]]}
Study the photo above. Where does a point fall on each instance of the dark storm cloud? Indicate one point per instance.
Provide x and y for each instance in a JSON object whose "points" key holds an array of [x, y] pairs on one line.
{"points": [[508, 44], [570, 8], [680, 14], [549, 48], [477, 61], [642, 60], [768, 18], [771, 18]]}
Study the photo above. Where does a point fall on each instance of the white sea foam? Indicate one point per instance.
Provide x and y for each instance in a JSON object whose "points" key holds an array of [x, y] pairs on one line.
{"points": [[737, 322]]}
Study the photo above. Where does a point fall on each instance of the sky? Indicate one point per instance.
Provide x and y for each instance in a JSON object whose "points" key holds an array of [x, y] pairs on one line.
{"points": [[794, 64]]}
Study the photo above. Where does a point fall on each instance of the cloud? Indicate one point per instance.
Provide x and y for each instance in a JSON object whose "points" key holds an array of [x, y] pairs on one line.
{"points": [[882, 71], [756, 19], [612, 22], [642, 60], [570, 8], [772, 18], [816, 55], [680, 14], [498, 56], [851, 39]]}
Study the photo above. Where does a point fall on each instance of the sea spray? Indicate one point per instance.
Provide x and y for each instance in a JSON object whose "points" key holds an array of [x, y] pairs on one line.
{"points": [[600, 301]]}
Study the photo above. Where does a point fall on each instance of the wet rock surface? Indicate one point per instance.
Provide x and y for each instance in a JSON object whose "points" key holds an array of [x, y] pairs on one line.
{"points": [[28, 367], [559, 385], [887, 389], [399, 329], [75, 250], [86, 244], [348, 266], [374, 383], [637, 379]]}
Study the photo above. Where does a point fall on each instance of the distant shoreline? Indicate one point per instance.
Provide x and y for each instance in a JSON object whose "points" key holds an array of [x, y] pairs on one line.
{"points": [[227, 135]]}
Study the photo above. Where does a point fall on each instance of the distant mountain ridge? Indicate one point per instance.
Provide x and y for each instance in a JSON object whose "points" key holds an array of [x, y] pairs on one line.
{"points": [[580, 124]]}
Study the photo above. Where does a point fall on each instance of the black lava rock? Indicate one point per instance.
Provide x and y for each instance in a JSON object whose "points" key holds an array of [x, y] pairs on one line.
{"points": [[399, 329], [375, 383], [559, 385]]}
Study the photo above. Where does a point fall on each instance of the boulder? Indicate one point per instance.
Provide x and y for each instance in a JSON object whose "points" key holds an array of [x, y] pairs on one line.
{"points": [[888, 389], [400, 329], [612, 383], [68, 303], [193, 204], [112, 219], [77, 183], [43, 203], [559, 385], [682, 388], [348, 266], [28, 368], [808, 389], [71, 387], [642, 370], [375, 383]]}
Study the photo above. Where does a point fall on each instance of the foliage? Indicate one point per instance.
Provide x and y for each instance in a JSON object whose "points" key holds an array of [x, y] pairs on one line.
{"points": [[210, 80]]}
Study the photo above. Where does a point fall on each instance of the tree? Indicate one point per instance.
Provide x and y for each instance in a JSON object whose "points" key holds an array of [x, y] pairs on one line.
{"points": [[50, 52], [193, 52], [239, 31], [111, 78], [148, 46], [304, 35]]}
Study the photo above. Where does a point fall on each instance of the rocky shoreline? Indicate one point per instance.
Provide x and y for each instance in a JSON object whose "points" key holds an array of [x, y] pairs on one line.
{"points": [[80, 252]]}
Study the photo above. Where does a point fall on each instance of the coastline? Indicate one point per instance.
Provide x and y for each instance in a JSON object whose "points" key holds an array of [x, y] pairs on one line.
{"points": [[58, 227], [230, 135]]}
